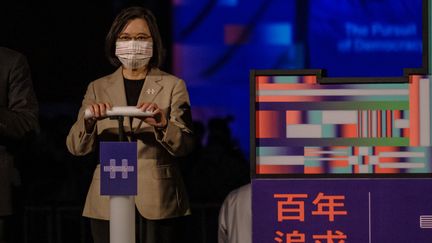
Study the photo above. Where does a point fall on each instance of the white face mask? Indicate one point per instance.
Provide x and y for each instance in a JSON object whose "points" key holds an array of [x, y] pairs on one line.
{"points": [[134, 54]]}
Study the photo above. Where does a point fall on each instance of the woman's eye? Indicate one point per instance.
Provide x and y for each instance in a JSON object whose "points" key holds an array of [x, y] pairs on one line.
{"points": [[124, 38]]}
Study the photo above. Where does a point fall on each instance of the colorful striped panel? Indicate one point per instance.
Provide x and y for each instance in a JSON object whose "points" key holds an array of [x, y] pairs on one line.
{"points": [[307, 128]]}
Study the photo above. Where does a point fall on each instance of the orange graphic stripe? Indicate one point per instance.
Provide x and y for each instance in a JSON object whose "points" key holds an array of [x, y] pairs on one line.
{"points": [[286, 98], [369, 113], [310, 79], [293, 117], [349, 131], [267, 124], [414, 103], [389, 123], [277, 86], [262, 79], [380, 149], [379, 126]]}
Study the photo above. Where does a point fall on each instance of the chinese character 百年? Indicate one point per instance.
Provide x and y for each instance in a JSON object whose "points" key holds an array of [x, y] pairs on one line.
{"points": [[328, 207], [289, 209]]}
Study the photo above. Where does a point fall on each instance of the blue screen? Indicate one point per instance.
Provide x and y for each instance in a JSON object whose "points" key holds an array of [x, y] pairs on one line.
{"points": [[218, 42], [356, 38]]}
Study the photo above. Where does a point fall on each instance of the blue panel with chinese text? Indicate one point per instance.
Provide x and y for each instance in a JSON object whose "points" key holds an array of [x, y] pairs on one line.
{"points": [[335, 210]]}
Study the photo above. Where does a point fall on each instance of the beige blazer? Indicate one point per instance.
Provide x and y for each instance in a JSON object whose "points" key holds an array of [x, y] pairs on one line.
{"points": [[161, 191]]}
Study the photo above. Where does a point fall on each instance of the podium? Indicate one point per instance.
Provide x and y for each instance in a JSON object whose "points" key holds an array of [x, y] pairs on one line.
{"points": [[118, 172], [119, 182]]}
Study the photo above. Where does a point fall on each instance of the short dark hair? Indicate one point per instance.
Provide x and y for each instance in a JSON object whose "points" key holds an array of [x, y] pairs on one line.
{"points": [[120, 21]]}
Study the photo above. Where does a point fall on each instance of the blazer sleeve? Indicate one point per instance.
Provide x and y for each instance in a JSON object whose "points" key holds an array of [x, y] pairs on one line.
{"points": [[20, 116], [78, 141], [222, 222], [177, 138]]}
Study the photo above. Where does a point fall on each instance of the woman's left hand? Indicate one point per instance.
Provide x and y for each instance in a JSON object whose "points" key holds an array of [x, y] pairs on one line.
{"points": [[157, 119]]}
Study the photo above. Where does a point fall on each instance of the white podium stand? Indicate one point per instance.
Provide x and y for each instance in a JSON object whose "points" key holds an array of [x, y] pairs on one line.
{"points": [[122, 219], [122, 207]]}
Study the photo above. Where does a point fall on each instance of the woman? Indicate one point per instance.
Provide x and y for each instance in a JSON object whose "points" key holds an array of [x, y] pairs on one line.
{"points": [[133, 44]]}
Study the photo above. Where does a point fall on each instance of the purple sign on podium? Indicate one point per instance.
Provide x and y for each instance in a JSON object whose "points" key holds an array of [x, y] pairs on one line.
{"points": [[118, 168]]}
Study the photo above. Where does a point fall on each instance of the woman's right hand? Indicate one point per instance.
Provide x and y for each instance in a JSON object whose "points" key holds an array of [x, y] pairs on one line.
{"points": [[99, 112]]}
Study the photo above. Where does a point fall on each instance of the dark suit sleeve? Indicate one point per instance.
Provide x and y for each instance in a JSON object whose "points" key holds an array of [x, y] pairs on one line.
{"points": [[20, 115]]}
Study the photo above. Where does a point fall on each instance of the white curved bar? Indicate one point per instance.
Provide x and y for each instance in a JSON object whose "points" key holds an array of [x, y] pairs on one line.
{"points": [[120, 111]]}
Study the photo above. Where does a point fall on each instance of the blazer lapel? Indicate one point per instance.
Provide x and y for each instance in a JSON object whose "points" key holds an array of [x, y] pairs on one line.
{"points": [[117, 94], [149, 91]]}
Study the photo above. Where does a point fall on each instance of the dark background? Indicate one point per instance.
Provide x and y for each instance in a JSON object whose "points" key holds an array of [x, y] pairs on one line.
{"points": [[64, 44]]}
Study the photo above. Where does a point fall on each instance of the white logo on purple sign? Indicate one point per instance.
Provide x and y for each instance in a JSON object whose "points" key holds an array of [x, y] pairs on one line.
{"points": [[426, 221], [113, 169]]}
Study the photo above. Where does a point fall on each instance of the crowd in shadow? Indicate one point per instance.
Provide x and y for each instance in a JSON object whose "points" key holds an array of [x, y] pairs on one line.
{"points": [[215, 168], [48, 176], [217, 165]]}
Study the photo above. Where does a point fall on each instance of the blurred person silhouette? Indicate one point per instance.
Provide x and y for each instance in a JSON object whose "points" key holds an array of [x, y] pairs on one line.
{"points": [[199, 132], [235, 216], [59, 178], [18, 122], [219, 133], [190, 161], [222, 166], [134, 46]]}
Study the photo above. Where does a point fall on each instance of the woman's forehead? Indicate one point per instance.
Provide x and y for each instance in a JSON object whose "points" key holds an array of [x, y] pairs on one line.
{"points": [[136, 26]]}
